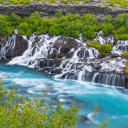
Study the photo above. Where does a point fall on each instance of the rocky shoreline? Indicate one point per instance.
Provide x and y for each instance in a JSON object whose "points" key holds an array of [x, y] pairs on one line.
{"points": [[46, 9]]}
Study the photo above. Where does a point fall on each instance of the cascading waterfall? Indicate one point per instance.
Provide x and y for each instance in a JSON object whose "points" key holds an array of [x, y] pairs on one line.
{"points": [[7, 44], [77, 62], [121, 46]]}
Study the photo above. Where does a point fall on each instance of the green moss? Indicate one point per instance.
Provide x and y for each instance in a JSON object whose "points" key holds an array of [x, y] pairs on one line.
{"points": [[104, 49], [126, 70], [86, 1], [60, 55], [125, 54], [54, 55]]}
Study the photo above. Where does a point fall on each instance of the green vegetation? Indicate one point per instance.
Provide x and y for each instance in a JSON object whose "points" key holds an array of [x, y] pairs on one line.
{"points": [[122, 26], [107, 25], [113, 3], [102, 125], [122, 3], [104, 49], [126, 70], [125, 54], [26, 2], [67, 25], [19, 112], [23, 2]]}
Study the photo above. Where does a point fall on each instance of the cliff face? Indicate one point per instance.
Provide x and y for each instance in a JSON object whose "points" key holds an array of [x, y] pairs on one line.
{"points": [[46, 9]]}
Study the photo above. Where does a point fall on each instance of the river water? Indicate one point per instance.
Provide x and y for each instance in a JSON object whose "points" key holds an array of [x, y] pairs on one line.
{"points": [[113, 101]]}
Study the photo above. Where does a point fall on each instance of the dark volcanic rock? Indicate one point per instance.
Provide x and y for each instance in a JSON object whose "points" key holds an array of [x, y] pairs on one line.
{"points": [[65, 45], [84, 119], [50, 63], [46, 9], [20, 47]]}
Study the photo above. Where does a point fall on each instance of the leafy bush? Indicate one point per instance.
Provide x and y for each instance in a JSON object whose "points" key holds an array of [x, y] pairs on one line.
{"points": [[67, 25], [107, 25], [18, 111], [104, 49], [58, 14]]}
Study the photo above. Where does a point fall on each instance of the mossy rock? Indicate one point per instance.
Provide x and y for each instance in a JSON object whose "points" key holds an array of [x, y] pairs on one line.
{"points": [[126, 70], [60, 55], [125, 54], [54, 55], [103, 49]]}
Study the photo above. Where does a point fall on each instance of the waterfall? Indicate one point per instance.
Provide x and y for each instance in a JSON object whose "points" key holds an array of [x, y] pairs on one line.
{"points": [[80, 75], [69, 58], [7, 44], [121, 46]]}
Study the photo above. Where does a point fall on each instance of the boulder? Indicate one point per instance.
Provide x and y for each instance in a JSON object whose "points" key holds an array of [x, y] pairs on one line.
{"points": [[97, 66], [114, 55], [84, 119]]}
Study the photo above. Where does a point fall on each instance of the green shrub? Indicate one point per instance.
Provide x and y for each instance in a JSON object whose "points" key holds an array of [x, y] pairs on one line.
{"points": [[104, 49], [18, 111], [67, 25], [58, 14]]}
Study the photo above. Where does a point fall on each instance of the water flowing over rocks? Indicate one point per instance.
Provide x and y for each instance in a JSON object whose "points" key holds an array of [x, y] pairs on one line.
{"points": [[67, 58], [11, 47]]}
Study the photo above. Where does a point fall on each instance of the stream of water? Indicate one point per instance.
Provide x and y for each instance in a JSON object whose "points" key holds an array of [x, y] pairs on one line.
{"points": [[113, 101]]}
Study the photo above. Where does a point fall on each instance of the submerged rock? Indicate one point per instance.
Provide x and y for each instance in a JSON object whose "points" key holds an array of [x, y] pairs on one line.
{"points": [[97, 66], [84, 119]]}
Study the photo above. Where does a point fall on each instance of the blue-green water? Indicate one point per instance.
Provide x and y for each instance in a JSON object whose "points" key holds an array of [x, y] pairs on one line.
{"points": [[112, 102]]}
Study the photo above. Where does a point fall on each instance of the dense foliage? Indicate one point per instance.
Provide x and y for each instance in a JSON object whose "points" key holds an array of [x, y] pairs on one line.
{"points": [[19, 112], [104, 49], [23, 112], [67, 25]]}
